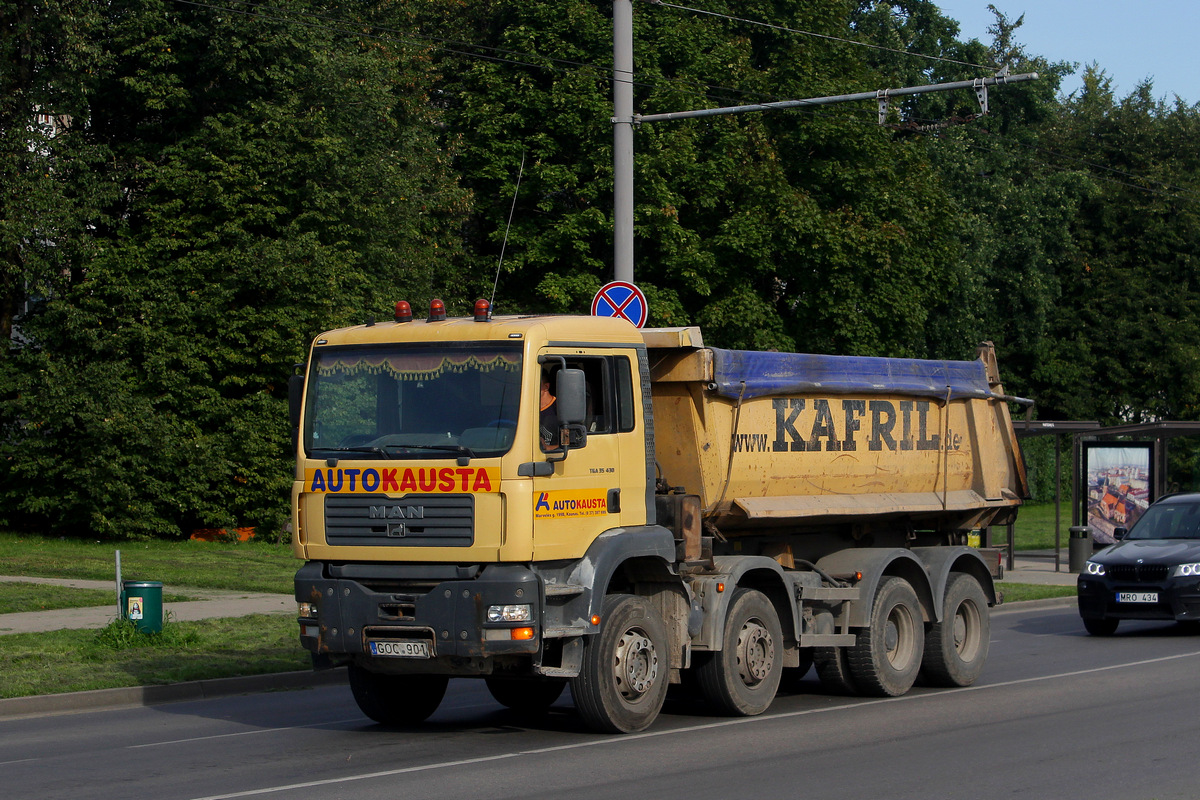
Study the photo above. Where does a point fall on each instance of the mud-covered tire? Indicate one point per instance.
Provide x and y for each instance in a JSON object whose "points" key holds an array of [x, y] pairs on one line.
{"points": [[956, 649], [833, 668], [525, 696], [742, 679], [622, 681], [396, 699], [887, 656], [1097, 626]]}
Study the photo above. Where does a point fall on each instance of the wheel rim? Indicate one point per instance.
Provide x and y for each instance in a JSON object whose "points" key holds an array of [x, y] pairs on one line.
{"points": [[755, 653], [898, 638], [966, 631], [635, 664]]}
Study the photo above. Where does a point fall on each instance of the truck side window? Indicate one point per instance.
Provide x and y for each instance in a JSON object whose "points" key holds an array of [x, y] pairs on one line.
{"points": [[626, 418], [610, 401]]}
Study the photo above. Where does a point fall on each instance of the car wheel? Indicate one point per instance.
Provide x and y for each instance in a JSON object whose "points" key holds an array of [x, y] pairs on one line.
{"points": [[1098, 626]]}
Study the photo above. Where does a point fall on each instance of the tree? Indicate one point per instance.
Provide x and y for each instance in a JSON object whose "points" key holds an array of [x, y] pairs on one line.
{"points": [[272, 179]]}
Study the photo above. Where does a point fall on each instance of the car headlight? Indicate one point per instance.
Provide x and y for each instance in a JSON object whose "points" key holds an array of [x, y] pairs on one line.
{"points": [[517, 613], [1186, 570], [1094, 568]]}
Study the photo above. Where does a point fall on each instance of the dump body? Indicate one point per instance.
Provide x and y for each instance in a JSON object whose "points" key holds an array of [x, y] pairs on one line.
{"points": [[668, 508], [770, 440]]}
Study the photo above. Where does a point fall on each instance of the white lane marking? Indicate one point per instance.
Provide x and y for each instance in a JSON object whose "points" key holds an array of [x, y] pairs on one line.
{"points": [[676, 731]]}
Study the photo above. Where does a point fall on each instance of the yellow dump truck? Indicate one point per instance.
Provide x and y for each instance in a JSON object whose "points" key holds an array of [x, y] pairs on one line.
{"points": [[540, 501]]}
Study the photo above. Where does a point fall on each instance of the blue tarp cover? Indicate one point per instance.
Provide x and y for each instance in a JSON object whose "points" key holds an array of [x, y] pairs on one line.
{"points": [[765, 373]]}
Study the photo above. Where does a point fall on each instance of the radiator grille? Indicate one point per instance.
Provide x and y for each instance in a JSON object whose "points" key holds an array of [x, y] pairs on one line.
{"points": [[417, 520], [1139, 573]]}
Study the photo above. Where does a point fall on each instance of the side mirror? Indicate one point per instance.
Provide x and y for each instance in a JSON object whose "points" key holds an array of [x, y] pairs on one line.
{"points": [[570, 393], [1120, 533], [571, 396]]}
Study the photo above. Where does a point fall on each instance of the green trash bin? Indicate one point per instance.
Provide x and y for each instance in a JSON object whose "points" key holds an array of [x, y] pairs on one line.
{"points": [[141, 604]]}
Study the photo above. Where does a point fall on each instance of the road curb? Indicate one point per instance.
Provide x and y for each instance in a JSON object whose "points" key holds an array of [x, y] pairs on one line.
{"points": [[1026, 605], [135, 696]]}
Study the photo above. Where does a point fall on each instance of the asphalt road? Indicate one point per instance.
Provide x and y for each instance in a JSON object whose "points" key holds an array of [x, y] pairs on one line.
{"points": [[1058, 714]]}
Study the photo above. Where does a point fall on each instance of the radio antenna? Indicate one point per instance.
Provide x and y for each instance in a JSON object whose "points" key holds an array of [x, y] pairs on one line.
{"points": [[520, 173]]}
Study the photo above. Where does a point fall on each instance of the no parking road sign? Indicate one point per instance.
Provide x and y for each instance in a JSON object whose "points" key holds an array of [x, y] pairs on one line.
{"points": [[621, 299]]}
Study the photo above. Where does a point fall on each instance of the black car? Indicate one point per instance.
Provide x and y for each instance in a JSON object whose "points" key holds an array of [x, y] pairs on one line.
{"points": [[1152, 572]]}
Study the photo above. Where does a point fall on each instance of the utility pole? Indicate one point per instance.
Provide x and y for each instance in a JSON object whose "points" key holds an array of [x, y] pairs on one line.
{"points": [[623, 140], [624, 119]]}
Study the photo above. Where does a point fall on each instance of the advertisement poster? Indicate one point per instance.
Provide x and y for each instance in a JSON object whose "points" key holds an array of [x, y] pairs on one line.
{"points": [[1118, 485]]}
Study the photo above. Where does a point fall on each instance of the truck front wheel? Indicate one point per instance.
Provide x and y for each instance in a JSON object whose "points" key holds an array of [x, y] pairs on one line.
{"points": [[396, 699], [622, 681], [743, 677], [885, 660], [957, 647], [526, 697]]}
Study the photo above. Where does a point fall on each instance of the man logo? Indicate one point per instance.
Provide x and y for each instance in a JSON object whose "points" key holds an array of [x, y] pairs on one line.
{"points": [[395, 530], [396, 512]]}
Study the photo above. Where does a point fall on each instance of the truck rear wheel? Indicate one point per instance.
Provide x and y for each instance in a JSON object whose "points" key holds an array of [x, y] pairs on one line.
{"points": [[885, 660], [396, 699], [793, 677], [622, 681], [743, 677], [957, 647], [833, 668], [527, 697]]}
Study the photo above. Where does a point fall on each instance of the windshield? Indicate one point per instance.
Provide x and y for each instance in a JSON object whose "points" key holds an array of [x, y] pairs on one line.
{"points": [[412, 401], [1168, 521]]}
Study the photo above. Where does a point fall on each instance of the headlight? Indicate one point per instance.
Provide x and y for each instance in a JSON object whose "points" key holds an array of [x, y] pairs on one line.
{"points": [[1185, 571], [1094, 568], [308, 610], [509, 613]]}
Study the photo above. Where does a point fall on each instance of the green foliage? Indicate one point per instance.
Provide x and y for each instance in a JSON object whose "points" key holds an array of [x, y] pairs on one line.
{"points": [[268, 181], [221, 185], [123, 634]]}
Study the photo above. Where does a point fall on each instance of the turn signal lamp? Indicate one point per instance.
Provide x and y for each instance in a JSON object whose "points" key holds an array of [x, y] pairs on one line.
{"points": [[720, 587], [483, 310], [595, 619], [437, 310], [522, 634], [403, 311]]}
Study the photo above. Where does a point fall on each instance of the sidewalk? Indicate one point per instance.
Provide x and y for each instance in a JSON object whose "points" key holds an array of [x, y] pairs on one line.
{"points": [[1037, 566], [213, 603]]}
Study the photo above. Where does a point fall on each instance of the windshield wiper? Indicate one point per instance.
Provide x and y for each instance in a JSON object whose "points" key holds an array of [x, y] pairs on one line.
{"points": [[365, 448], [449, 448]]}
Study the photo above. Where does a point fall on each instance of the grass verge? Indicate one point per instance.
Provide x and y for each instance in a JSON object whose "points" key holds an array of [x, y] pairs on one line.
{"points": [[18, 597], [118, 655], [1018, 592], [240, 566], [1034, 528]]}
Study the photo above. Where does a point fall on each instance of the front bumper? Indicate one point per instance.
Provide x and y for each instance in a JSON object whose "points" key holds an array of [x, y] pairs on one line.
{"points": [[1178, 599], [444, 606]]}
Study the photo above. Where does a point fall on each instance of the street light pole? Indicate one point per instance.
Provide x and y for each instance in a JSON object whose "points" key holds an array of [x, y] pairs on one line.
{"points": [[623, 140]]}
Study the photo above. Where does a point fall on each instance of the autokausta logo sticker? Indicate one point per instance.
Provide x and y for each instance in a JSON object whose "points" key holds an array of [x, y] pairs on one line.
{"points": [[579, 503]]}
